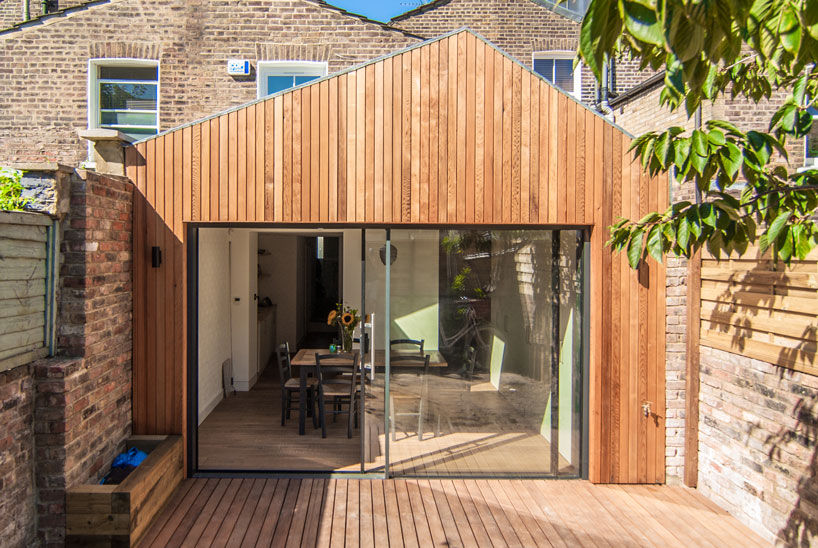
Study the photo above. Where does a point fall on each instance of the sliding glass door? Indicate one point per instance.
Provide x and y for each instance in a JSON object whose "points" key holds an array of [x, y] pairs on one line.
{"points": [[499, 313], [471, 346]]}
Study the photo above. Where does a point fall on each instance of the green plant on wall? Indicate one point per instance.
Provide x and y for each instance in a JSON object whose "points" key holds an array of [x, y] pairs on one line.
{"points": [[11, 190]]}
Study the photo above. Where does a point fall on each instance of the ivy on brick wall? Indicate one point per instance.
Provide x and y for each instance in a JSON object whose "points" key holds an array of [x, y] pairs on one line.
{"points": [[747, 191]]}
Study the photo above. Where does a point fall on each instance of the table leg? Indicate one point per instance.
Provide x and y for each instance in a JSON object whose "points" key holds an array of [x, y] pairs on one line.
{"points": [[302, 401]]}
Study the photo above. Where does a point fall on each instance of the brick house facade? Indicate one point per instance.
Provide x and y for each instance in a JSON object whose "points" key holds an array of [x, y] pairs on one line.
{"points": [[44, 102]]}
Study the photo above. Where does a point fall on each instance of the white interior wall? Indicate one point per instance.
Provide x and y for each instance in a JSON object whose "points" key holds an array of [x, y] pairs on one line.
{"points": [[415, 294], [278, 281], [243, 309], [214, 308]]}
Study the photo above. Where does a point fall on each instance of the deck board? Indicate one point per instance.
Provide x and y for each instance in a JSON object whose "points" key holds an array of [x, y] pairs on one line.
{"points": [[421, 512]]}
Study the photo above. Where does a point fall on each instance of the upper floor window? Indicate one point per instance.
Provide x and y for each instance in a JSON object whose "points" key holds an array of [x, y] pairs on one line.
{"points": [[812, 140], [576, 8], [558, 68], [124, 95], [275, 76]]}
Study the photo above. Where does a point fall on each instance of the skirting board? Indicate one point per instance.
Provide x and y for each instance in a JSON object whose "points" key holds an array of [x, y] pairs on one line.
{"points": [[211, 405], [245, 386]]}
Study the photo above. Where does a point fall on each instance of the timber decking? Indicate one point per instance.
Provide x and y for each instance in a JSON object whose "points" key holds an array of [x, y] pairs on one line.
{"points": [[481, 433], [340, 512]]}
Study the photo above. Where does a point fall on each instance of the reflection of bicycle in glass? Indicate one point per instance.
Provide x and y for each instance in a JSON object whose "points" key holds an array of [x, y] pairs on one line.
{"points": [[467, 327]]}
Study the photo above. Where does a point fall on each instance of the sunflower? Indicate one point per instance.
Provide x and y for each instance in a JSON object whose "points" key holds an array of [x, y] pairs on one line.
{"points": [[347, 318], [331, 318]]}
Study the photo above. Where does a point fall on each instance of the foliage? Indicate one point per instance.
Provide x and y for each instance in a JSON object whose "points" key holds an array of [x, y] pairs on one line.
{"points": [[345, 317], [11, 190], [709, 49]]}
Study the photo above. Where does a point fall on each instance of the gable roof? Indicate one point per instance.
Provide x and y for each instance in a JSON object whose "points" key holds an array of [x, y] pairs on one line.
{"points": [[423, 8], [84, 5], [464, 30]]}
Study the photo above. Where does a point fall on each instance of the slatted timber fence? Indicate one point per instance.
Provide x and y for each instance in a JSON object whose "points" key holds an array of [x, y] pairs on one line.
{"points": [[761, 309], [27, 251]]}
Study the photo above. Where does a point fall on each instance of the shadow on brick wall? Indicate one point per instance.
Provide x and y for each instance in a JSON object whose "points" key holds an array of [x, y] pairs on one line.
{"points": [[801, 527]]}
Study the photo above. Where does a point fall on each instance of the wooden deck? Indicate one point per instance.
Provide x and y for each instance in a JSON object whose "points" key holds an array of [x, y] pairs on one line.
{"points": [[340, 512]]}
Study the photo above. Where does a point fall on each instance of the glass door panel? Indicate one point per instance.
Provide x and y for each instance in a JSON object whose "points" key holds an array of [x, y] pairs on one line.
{"points": [[498, 313]]}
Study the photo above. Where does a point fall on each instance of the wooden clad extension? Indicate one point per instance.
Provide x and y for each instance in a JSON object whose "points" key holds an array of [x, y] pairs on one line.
{"points": [[757, 308], [449, 132]]}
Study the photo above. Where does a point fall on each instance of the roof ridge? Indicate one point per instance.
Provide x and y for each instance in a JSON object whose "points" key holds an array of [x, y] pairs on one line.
{"points": [[420, 9], [90, 3], [377, 60], [57, 13]]}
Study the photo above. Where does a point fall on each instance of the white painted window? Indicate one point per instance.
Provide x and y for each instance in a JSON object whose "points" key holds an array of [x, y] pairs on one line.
{"points": [[275, 76], [558, 68], [574, 7], [123, 94], [812, 140]]}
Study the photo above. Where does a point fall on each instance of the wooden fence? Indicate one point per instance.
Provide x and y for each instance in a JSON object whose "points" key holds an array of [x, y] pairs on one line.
{"points": [[763, 310], [26, 287]]}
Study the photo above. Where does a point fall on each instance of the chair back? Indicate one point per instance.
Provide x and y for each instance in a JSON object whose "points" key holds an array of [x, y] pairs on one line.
{"points": [[284, 365], [322, 370], [411, 342], [420, 360]]}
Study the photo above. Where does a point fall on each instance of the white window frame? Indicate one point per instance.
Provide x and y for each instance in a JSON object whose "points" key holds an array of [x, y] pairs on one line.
{"points": [[286, 68], [562, 54], [92, 99]]}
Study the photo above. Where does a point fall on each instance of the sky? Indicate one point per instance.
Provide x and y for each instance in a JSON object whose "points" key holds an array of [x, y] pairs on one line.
{"points": [[380, 10]]}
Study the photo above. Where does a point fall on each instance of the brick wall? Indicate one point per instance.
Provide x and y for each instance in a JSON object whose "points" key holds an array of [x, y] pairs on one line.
{"points": [[757, 445], [17, 499], [64, 419], [518, 27], [83, 400], [11, 12], [43, 101]]}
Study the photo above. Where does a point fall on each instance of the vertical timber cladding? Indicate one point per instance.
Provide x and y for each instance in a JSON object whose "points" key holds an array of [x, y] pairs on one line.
{"points": [[451, 131]]}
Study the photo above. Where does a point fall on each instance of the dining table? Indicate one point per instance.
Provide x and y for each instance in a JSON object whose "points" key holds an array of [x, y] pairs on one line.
{"points": [[304, 359]]}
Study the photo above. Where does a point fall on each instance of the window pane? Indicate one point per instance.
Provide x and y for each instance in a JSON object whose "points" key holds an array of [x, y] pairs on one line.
{"points": [[128, 118], [128, 96], [128, 73], [545, 68], [304, 79], [564, 74], [278, 83]]}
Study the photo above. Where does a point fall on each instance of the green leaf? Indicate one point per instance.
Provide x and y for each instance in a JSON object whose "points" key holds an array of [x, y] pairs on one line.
{"points": [[635, 249], [731, 159], [683, 233], [655, 243], [777, 225], [789, 30], [643, 22], [716, 137]]}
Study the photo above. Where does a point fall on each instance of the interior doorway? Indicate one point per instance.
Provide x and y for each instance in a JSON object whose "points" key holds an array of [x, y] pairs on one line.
{"points": [[322, 287]]}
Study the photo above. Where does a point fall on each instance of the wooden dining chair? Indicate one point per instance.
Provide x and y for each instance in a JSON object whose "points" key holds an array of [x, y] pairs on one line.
{"points": [[341, 392], [409, 342], [291, 386], [421, 362]]}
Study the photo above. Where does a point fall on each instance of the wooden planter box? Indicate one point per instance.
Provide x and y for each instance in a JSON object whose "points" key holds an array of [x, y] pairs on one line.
{"points": [[118, 515]]}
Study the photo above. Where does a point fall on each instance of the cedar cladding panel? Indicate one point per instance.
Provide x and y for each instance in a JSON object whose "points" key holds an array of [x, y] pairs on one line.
{"points": [[423, 137]]}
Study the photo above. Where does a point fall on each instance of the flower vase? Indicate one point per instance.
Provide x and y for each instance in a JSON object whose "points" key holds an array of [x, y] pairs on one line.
{"points": [[347, 340]]}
